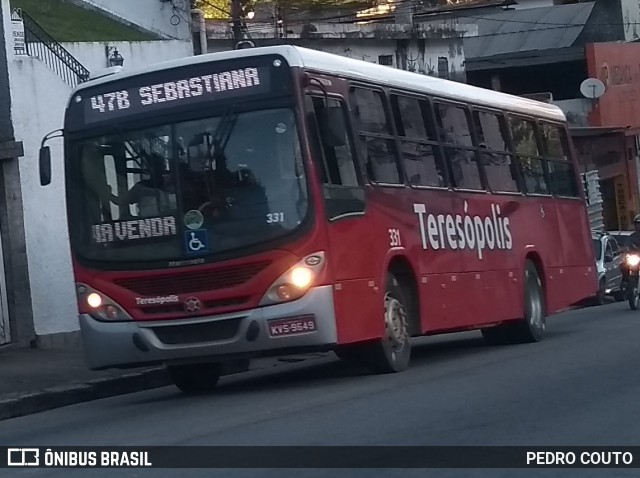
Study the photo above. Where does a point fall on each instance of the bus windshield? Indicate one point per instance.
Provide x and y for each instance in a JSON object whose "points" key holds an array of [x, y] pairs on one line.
{"points": [[193, 188]]}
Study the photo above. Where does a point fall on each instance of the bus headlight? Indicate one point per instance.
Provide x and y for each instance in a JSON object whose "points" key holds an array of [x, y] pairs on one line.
{"points": [[98, 305], [294, 283]]}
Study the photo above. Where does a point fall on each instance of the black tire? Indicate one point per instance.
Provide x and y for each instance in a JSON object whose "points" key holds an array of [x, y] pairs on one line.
{"points": [[632, 295], [392, 352], [619, 295], [348, 353], [195, 378], [601, 294], [495, 335], [534, 324], [532, 327]]}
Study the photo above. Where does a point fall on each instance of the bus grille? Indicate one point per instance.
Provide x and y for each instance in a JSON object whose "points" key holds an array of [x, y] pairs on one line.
{"points": [[197, 333], [193, 282]]}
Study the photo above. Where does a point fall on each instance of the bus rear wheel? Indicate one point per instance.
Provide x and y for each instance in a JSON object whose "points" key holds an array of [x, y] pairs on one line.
{"points": [[532, 327], [195, 378], [392, 352]]}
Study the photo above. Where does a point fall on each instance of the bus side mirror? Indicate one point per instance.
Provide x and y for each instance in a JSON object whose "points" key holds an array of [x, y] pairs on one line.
{"points": [[334, 127], [45, 165]]}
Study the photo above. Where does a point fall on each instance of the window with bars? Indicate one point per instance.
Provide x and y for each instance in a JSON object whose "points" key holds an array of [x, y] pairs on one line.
{"points": [[386, 60]]}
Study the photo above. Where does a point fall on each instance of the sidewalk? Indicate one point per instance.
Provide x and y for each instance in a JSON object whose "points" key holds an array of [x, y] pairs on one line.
{"points": [[35, 380]]}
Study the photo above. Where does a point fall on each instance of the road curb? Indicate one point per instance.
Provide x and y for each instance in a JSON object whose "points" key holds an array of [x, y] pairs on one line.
{"points": [[71, 394]]}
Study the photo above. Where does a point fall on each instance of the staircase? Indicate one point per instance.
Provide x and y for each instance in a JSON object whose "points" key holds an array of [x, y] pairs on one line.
{"points": [[39, 44]]}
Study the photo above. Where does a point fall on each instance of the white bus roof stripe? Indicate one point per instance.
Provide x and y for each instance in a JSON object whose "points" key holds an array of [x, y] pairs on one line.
{"points": [[322, 62]]}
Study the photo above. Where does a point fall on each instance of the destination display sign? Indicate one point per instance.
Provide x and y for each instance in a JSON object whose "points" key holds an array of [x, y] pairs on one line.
{"points": [[159, 95]]}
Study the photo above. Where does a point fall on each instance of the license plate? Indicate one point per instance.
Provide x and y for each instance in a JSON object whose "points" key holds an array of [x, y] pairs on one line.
{"points": [[292, 326]]}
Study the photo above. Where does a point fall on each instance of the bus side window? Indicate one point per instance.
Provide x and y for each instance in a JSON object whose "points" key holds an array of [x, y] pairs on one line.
{"points": [[419, 150], [499, 165], [455, 135], [561, 168], [343, 191], [523, 133], [376, 143]]}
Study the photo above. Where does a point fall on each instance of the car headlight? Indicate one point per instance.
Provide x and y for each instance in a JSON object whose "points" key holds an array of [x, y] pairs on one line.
{"points": [[98, 305], [633, 259], [294, 283]]}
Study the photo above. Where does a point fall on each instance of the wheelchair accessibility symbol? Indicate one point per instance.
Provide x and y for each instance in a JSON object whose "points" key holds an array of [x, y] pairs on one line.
{"points": [[196, 241]]}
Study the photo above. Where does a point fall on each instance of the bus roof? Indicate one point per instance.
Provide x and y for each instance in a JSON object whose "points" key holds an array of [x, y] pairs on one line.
{"points": [[322, 62]]}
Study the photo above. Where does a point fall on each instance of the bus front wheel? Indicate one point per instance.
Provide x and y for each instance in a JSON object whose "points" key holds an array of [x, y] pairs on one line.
{"points": [[195, 378], [392, 352]]}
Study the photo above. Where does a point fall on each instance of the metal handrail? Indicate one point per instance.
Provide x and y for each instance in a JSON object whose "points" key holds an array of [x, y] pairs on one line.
{"points": [[43, 46]]}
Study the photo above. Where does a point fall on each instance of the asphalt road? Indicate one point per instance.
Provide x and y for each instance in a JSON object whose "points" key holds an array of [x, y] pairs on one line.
{"points": [[579, 387]]}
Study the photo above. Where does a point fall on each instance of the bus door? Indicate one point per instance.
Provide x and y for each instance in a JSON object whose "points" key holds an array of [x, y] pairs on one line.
{"points": [[351, 254]]}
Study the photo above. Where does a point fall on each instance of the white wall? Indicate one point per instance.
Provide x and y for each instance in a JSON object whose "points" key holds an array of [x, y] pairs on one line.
{"points": [[631, 19], [135, 54], [169, 18], [577, 110], [39, 98]]}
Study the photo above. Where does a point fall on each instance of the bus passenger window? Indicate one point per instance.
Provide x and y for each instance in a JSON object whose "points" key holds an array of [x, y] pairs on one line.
{"points": [[526, 147], [561, 169], [455, 134], [376, 144], [498, 164], [422, 165]]}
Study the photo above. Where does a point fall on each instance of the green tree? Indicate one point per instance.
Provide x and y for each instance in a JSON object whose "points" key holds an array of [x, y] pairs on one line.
{"points": [[214, 9]]}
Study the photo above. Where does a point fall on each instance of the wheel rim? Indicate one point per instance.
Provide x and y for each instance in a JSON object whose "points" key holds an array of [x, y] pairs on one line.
{"points": [[395, 318], [536, 314]]}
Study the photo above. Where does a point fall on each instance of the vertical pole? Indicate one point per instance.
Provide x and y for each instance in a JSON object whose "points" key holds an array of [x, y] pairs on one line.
{"points": [[236, 10]]}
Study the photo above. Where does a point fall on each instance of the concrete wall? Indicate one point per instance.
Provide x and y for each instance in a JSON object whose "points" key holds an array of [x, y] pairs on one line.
{"points": [[94, 56], [631, 19], [414, 55], [576, 110], [39, 99], [15, 277], [168, 18], [38, 107]]}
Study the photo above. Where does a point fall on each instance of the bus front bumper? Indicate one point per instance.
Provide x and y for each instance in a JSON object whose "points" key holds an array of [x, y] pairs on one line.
{"points": [[250, 332]]}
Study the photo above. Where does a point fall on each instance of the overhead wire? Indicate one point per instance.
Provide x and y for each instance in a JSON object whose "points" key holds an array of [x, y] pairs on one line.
{"points": [[437, 15]]}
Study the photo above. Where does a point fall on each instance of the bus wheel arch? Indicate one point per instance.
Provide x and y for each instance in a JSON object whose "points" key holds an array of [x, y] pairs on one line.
{"points": [[401, 269], [534, 257], [532, 326], [392, 352]]}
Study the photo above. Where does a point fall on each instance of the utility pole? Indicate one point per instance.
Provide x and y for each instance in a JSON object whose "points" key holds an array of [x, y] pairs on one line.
{"points": [[236, 13]]}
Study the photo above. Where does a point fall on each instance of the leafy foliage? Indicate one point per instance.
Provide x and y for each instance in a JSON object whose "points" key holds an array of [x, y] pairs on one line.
{"points": [[67, 22], [214, 9]]}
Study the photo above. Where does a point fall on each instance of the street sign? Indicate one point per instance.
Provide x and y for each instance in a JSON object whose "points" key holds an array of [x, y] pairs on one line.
{"points": [[19, 46], [592, 88]]}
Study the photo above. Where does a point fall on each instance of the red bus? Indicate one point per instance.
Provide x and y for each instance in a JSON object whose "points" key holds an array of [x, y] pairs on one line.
{"points": [[276, 200]]}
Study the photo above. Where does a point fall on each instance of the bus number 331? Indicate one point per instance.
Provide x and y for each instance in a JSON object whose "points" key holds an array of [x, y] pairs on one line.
{"points": [[394, 238]]}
